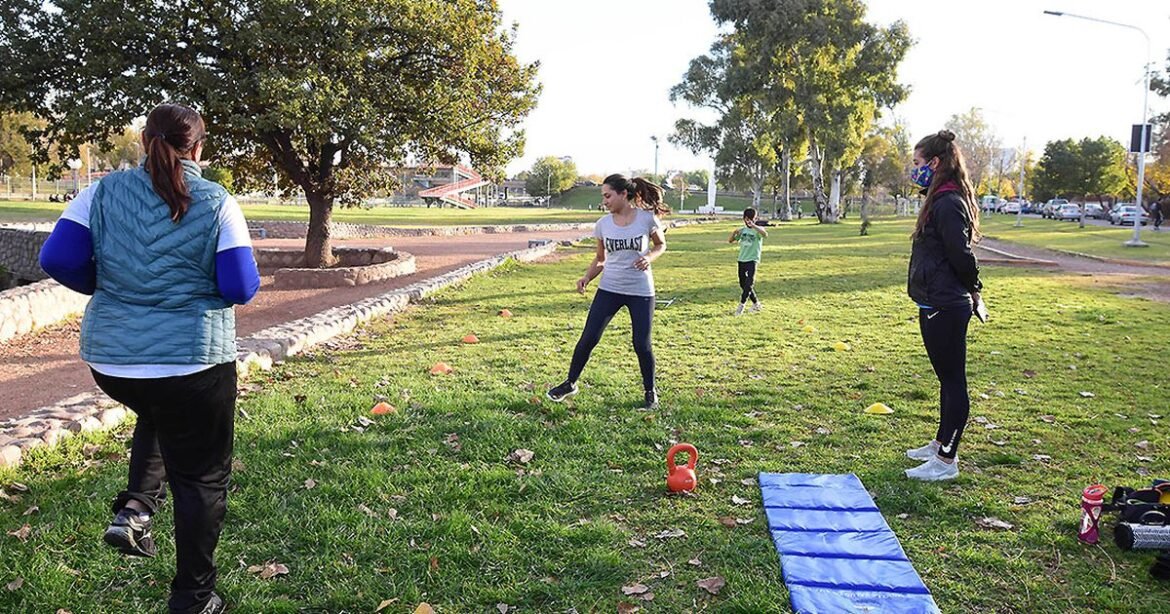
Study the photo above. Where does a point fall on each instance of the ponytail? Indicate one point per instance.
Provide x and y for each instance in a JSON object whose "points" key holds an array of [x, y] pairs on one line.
{"points": [[643, 194], [172, 131]]}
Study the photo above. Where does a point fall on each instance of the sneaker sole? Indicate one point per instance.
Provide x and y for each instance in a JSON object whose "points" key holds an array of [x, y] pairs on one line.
{"points": [[560, 398], [924, 457], [123, 541], [942, 478]]}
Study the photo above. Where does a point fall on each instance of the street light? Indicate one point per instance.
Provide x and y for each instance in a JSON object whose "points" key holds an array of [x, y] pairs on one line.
{"points": [[655, 139], [1136, 241]]}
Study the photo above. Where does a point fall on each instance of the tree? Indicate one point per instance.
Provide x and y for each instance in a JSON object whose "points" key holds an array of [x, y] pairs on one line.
{"points": [[1103, 167], [978, 142], [820, 60], [1058, 171], [551, 175], [330, 94]]}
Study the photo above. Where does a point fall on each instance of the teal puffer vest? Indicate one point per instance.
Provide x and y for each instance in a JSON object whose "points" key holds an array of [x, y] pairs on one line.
{"points": [[156, 300]]}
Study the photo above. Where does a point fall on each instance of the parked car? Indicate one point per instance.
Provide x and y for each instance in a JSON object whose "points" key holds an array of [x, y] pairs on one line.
{"points": [[1050, 207], [1126, 214], [1012, 207], [1029, 207], [1067, 212], [1096, 211], [991, 203]]}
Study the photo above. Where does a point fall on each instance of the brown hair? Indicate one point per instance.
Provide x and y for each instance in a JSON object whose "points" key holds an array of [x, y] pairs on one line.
{"points": [[642, 193], [171, 132], [951, 169]]}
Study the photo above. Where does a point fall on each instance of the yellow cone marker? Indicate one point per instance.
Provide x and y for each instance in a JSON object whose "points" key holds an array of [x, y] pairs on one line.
{"points": [[841, 346], [879, 409], [810, 329]]}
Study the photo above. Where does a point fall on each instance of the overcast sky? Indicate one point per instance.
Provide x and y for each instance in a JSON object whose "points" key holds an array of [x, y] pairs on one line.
{"points": [[607, 67]]}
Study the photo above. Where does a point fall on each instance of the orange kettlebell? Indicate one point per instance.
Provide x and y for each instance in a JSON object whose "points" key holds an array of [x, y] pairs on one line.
{"points": [[681, 478]]}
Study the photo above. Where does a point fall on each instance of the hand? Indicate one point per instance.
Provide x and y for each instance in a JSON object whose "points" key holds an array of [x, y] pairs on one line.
{"points": [[749, 223], [581, 283], [642, 264], [976, 298]]}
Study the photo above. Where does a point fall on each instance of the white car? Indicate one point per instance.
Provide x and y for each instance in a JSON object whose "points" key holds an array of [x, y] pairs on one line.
{"points": [[1011, 207], [1067, 212], [1126, 214]]}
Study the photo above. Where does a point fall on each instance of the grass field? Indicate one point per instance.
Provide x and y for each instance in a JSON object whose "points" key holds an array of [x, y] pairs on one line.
{"points": [[1105, 241], [423, 505]]}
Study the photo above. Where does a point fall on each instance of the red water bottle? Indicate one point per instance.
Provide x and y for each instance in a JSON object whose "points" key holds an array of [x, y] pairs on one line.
{"points": [[1091, 500]]}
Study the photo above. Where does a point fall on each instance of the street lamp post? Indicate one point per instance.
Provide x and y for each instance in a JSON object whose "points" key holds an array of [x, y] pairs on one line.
{"points": [[1020, 197], [1136, 241], [655, 139]]}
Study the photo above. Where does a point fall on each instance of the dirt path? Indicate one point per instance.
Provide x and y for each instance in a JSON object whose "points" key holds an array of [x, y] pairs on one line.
{"points": [[1146, 281], [42, 368]]}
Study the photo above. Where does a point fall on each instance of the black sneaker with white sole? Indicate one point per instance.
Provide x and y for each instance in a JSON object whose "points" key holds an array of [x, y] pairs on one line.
{"points": [[651, 400], [130, 534], [565, 390]]}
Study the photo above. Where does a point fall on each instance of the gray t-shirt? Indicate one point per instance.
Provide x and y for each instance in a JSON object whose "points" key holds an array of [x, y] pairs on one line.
{"points": [[623, 246]]}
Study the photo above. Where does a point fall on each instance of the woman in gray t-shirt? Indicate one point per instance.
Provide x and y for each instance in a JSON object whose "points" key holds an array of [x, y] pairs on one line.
{"points": [[628, 240]]}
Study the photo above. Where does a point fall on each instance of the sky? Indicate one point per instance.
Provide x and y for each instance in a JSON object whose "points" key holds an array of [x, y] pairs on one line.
{"points": [[607, 67]]}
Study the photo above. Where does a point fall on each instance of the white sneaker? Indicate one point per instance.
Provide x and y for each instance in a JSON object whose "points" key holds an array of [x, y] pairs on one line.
{"points": [[739, 310], [934, 470], [924, 453], [757, 307]]}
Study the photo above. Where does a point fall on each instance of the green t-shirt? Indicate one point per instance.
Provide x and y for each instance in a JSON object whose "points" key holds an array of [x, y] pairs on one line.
{"points": [[750, 245]]}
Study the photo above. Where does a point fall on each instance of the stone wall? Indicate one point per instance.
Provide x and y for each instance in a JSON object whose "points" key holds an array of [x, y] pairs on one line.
{"points": [[19, 251], [399, 264], [44, 303]]}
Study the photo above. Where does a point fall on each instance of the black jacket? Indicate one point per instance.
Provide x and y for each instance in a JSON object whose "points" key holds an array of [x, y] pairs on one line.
{"points": [[943, 270]]}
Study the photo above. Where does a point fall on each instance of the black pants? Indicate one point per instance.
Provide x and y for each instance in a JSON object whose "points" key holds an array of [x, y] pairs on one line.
{"points": [[944, 333], [747, 281], [183, 435], [605, 305]]}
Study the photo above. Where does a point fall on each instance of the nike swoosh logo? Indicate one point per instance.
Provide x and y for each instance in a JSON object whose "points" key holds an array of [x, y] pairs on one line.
{"points": [[930, 316], [946, 449]]}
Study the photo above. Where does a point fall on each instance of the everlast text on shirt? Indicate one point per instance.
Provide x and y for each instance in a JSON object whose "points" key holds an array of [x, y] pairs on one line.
{"points": [[617, 245]]}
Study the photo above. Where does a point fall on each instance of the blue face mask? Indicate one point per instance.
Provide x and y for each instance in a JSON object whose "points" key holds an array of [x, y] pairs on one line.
{"points": [[921, 175]]}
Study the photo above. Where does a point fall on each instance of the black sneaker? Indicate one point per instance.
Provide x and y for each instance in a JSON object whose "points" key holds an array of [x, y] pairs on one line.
{"points": [[563, 391], [651, 401], [130, 534], [214, 605]]}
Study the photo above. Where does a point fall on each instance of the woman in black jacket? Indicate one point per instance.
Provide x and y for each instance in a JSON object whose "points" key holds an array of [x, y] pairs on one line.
{"points": [[944, 281]]}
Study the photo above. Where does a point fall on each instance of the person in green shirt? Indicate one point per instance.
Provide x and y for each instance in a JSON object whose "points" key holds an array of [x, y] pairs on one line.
{"points": [[751, 243]]}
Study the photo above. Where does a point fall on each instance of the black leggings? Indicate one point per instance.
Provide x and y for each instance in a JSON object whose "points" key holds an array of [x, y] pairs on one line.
{"points": [[747, 281], [184, 436], [605, 305], [944, 333]]}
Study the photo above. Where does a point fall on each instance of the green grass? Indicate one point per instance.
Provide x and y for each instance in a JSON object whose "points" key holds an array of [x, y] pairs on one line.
{"points": [[1103, 241], [474, 530]]}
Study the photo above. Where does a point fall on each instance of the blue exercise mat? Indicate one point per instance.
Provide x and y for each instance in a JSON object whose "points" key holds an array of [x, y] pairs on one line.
{"points": [[837, 553]]}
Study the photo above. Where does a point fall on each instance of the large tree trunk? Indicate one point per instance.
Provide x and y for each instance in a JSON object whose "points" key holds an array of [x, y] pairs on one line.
{"points": [[834, 209], [864, 212], [818, 179], [786, 187], [318, 251], [757, 189]]}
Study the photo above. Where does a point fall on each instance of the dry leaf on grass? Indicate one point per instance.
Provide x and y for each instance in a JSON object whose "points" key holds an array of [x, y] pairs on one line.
{"points": [[637, 543], [503, 608], [740, 500], [1022, 500], [521, 455], [1142, 445], [424, 608], [366, 510], [22, 533], [669, 533], [434, 563], [310, 484], [30, 511], [695, 562], [383, 408], [991, 522], [15, 584], [712, 585], [635, 589], [385, 604], [1087, 395], [18, 487], [269, 570], [727, 521], [625, 607]]}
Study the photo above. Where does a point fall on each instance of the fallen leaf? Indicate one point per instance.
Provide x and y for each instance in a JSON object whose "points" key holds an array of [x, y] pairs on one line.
{"points": [[669, 533], [521, 455], [740, 500], [504, 313], [980, 419], [424, 608], [903, 516], [625, 607], [635, 589], [382, 408], [1022, 500], [1029, 373], [269, 570], [744, 520], [15, 584], [714, 481], [434, 563], [695, 562], [90, 449], [310, 484], [385, 604], [712, 585], [22, 533], [18, 487], [999, 442], [392, 513], [30, 511], [796, 444], [1142, 445], [822, 431], [503, 608], [991, 522], [727, 521], [1145, 459], [1087, 395], [1048, 419], [365, 510], [637, 543], [646, 596], [1041, 457], [748, 481]]}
